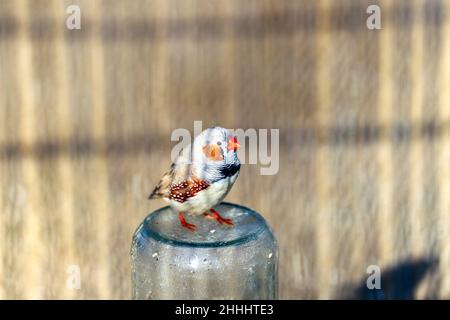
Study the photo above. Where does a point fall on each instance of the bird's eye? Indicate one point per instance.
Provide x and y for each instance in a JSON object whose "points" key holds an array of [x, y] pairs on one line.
{"points": [[219, 143]]}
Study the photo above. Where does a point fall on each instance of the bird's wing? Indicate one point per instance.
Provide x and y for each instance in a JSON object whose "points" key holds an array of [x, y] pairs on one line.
{"points": [[186, 189], [177, 174]]}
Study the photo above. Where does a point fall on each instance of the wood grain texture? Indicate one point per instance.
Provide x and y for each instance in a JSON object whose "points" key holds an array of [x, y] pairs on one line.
{"points": [[86, 118]]}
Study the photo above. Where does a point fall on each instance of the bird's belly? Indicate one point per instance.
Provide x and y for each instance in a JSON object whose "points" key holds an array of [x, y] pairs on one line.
{"points": [[205, 199]]}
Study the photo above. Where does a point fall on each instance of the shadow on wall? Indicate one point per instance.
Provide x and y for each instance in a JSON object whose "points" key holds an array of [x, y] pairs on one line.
{"points": [[397, 282]]}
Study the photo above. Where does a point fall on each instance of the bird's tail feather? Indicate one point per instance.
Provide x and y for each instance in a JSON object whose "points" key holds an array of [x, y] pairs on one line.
{"points": [[156, 193]]}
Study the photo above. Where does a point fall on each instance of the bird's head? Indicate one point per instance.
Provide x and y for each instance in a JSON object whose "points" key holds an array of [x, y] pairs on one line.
{"points": [[215, 148]]}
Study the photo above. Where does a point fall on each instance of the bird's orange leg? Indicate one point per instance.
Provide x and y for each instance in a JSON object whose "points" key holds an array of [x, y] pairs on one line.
{"points": [[216, 216], [186, 225]]}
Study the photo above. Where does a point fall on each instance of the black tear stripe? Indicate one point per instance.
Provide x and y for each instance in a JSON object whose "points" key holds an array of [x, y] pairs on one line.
{"points": [[230, 170]]}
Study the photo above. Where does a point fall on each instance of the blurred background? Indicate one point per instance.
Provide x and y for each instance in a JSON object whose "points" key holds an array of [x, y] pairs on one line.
{"points": [[86, 117]]}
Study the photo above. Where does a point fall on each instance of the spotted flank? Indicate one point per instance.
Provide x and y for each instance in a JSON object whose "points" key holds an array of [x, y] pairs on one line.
{"points": [[182, 191]]}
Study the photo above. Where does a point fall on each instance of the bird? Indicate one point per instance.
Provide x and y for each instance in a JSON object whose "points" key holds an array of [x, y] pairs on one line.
{"points": [[201, 176]]}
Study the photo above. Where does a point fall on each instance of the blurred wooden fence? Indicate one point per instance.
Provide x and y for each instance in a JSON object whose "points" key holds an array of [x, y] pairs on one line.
{"points": [[86, 117]]}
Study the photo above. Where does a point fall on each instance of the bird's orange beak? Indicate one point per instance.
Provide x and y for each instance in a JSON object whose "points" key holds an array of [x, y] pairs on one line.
{"points": [[233, 144]]}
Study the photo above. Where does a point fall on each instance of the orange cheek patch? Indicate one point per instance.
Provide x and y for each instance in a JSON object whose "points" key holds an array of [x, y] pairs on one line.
{"points": [[213, 152]]}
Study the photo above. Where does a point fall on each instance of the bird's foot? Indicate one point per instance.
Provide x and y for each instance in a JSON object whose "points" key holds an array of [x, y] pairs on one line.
{"points": [[216, 216], [185, 224]]}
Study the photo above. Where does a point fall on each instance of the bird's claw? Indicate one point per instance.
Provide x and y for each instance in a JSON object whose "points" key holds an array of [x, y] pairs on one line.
{"points": [[226, 221], [216, 216], [189, 226], [186, 224]]}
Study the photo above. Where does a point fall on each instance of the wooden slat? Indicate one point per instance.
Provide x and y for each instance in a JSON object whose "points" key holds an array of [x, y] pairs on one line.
{"points": [[102, 208], [385, 108], [64, 164], [3, 195], [322, 173], [33, 254], [416, 119], [159, 76], [444, 158]]}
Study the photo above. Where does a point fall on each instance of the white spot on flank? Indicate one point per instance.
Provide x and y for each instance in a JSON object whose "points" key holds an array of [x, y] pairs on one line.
{"points": [[155, 255]]}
